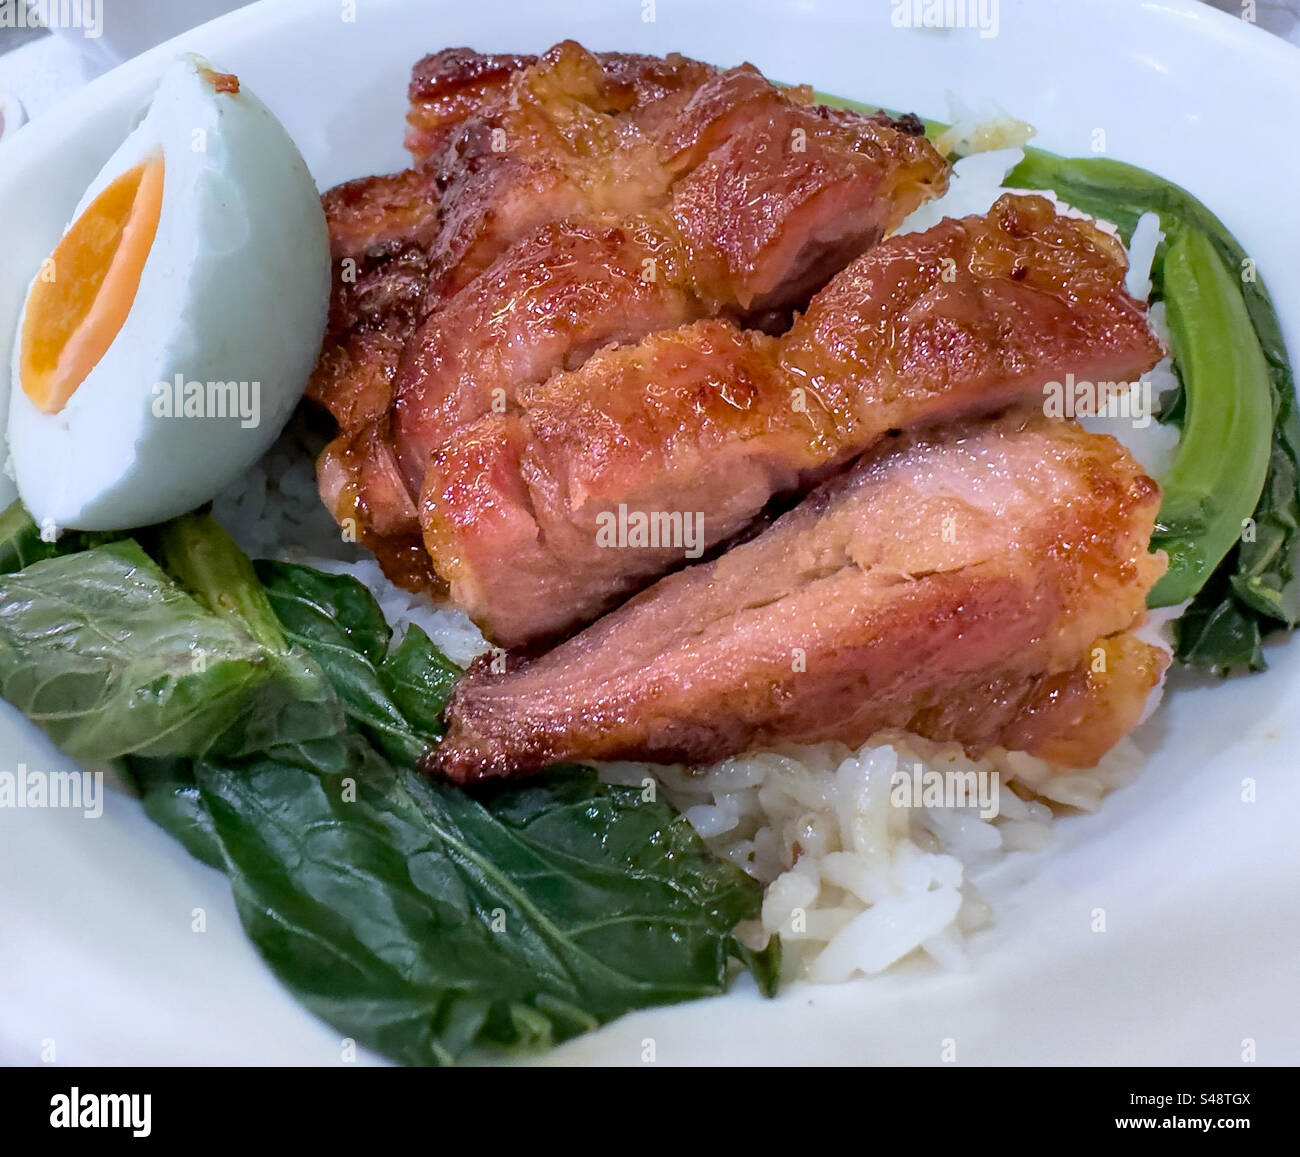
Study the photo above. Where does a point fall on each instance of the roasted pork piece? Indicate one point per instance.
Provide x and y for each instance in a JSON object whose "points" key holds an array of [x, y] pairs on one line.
{"points": [[380, 228], [976, 583], [707, 422], [766, 189], [563, 204]]}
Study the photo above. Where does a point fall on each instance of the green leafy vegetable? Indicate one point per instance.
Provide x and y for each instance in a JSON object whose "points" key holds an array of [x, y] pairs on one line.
{"points": [[413, 917], [22, 544], [325, 609], [419, 678], [337, 621], [1214, 484], [422, 922], [1266, 577], [1216, 632], [172, 800], [110, 657]]}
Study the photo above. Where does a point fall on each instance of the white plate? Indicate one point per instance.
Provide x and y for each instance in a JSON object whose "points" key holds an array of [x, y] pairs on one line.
{"points": [[1200, 889]]}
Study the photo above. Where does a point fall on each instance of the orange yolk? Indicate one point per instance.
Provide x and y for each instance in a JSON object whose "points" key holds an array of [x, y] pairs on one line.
{"points": [[85, 291]]}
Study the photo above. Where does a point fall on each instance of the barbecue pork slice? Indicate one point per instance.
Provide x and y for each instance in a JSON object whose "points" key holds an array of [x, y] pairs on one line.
{"points": [[578, 201], [977, 583], [747, 168], [709, 422]]}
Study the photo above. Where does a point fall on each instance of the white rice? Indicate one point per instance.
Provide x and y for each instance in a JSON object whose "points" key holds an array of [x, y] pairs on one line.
{"points": [[853, 882], [856, 882]]}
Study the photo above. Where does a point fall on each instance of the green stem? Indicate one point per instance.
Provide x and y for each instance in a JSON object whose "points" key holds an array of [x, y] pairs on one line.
{"points": [[1215, 482], [202, 557]]}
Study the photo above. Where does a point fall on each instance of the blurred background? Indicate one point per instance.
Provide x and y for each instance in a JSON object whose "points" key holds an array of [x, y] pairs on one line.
{"points": [[38, 66]]}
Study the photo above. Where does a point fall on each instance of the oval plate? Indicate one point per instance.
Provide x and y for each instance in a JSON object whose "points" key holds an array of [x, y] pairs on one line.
{"points": [[1199, 888]]}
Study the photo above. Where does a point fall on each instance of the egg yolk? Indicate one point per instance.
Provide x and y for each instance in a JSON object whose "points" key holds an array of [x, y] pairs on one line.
{"points": [[85, 291]]}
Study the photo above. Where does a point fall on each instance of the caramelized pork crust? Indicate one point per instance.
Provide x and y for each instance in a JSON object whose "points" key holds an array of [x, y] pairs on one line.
{"points": [[562, 204], [754, 176], [975, 584], [379, 229], [449, 86], [712, 421]]}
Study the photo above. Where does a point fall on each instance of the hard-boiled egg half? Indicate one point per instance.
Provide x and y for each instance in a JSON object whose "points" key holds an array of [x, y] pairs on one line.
{"points": [[170, 334]]}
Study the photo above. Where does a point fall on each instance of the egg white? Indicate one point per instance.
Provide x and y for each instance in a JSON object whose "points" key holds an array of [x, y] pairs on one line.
{"points": [[235, 288]]}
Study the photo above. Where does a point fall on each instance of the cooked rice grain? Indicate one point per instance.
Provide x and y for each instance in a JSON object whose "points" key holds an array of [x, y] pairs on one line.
{"points": [[854, 881]]}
